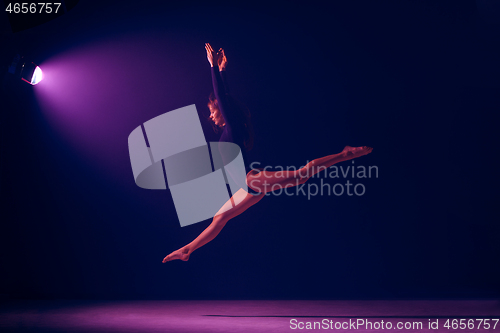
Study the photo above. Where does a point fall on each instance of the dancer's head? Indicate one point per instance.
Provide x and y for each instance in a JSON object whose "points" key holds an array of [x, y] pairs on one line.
{"points": [[215, 114], [241, 112]]}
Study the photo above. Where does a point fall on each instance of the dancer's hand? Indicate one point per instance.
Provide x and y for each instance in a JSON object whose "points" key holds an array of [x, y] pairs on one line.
{"points": [[222, 60], [212, 56], [183, 254]]}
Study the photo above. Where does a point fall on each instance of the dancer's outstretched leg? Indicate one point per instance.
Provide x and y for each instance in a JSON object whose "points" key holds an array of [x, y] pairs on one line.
{"points": [[262, 181], [267, 181], [244, 201]]}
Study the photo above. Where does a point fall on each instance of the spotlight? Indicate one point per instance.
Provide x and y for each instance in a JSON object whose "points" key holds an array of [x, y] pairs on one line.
{"points": [[26, 70], [31, 73]]}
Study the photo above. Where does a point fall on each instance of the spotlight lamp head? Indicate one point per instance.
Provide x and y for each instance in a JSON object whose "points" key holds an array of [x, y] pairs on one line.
{"points": [[26, 70], [31, 73]]}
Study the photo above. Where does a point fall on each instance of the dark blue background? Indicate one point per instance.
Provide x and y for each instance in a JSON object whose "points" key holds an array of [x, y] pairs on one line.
{"points": [[416, 80]]}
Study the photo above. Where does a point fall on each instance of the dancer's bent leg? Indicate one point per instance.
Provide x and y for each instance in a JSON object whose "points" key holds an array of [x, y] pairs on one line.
{"points": [[244, 201]]}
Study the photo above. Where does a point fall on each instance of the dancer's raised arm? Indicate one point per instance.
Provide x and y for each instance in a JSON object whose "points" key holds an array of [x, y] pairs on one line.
{"points": [[222, 63], [219, 88]]}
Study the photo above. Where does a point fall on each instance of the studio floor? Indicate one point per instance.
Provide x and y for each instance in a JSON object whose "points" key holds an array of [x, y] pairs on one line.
{"points": [[249, 316]]}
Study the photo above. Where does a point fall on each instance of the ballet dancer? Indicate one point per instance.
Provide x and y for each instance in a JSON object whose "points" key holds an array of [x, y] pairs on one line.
{"points": [[233, 119]]}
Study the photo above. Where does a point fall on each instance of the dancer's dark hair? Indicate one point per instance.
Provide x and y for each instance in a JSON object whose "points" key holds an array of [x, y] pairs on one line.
{"points": [[242, 112]]}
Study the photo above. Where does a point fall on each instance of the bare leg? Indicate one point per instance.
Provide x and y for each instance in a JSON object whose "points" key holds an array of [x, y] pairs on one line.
{"points": [[226, 213], [267, 181], [264, 182]]}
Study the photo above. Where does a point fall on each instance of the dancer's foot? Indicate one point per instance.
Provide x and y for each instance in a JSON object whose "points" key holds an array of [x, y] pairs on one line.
{"points": [[182, 254], [353, 152]]}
